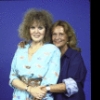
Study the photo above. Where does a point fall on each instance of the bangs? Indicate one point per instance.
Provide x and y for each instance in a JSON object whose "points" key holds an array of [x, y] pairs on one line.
{"points": [[37, 22]]}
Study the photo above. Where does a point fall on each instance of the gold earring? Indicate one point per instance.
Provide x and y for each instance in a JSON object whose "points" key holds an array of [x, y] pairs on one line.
{"points": [[67, 42]]}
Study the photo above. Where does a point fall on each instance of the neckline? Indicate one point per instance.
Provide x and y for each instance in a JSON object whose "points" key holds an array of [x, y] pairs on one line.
{"points": [[29, 60]]}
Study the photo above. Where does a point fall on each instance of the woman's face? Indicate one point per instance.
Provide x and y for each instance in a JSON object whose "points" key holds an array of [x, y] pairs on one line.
{"points": [[37, 32], [59, 37]]}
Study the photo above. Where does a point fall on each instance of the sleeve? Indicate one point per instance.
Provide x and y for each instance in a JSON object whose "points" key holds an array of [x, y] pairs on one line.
{"points": [[71, 86], [52, 75], [77, 71], [13, 72]]}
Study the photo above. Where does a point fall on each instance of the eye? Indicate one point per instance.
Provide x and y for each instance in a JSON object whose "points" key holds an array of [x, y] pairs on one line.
{"points": [[61, 34], [40, 27], [53, 34]]}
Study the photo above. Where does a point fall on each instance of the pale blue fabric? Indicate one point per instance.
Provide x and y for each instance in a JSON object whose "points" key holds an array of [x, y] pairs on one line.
{"points": [[71, 86], [45, 63]]}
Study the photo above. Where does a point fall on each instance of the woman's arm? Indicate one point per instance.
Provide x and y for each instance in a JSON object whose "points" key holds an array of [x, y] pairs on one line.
{"points": [[34, 91], [19, 84], [68, 87], [56, 88]]}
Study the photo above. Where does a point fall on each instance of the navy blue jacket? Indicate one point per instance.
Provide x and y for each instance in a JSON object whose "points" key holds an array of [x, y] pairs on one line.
{"points": [[72, 65]]}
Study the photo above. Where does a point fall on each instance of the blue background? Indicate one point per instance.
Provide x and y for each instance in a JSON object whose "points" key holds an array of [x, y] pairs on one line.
{"points": [[76, 12]]}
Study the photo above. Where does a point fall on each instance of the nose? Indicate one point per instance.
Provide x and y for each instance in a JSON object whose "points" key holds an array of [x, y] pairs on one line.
{"points": [[36, 30], [57, 37]]}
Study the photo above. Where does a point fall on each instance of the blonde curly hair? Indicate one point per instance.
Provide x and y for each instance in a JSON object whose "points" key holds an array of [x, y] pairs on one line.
{"points": [[41, 17]]}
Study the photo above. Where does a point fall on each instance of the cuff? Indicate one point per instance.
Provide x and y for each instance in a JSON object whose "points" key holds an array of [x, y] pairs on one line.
{"points": [[71, 86]]}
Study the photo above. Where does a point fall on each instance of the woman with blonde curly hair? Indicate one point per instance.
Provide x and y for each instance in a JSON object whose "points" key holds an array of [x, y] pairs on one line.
{"points": [[38, 63]]}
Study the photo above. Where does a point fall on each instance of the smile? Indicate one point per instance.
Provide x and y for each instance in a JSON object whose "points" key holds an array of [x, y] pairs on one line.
{"points": [[57, 41], [36, 36]]}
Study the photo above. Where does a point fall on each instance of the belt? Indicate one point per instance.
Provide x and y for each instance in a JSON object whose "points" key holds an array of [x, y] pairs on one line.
{"points": [[31, 82]]}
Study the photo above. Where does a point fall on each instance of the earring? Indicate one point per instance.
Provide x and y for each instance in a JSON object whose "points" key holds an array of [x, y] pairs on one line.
{"points": [[67, 42]]}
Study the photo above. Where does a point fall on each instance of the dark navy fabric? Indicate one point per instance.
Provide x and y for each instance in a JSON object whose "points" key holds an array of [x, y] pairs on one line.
{"points": [[72, 65]]}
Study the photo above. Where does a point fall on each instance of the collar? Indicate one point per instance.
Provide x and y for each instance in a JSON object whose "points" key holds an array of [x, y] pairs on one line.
{"points": [[68, 52]]}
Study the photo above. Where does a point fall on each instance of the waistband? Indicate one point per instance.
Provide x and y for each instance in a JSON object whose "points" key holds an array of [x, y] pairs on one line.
{"points": [[31, 82]]}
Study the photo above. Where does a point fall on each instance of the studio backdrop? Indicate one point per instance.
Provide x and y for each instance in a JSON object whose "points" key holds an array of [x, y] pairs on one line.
{"points": [[76, 12]]}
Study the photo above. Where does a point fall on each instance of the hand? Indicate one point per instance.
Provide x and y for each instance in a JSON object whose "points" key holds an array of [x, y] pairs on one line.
{"points": [[37, 92], [22, 44], [45, 91]]}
